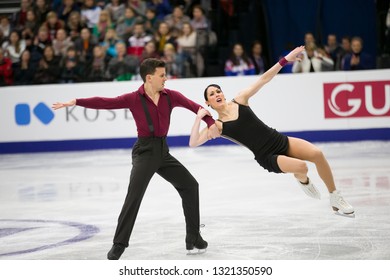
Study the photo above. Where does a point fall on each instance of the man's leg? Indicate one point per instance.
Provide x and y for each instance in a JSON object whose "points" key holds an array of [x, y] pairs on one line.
{"points": [[175, 173]]}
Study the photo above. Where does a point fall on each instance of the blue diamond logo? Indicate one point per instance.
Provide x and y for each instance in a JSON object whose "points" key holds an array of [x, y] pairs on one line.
{"points": [[43, 113]]}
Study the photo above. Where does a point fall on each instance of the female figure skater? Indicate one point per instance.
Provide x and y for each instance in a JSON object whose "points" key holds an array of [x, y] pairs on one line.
{"points": [[273, 151]]}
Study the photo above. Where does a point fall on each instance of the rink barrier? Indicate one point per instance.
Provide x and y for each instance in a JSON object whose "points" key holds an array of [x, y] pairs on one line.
{"points": [[182, 141], [319, 107]]}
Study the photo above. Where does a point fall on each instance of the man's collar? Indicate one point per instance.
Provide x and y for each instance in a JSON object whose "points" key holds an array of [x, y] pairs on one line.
{"points": [[143, 92]]}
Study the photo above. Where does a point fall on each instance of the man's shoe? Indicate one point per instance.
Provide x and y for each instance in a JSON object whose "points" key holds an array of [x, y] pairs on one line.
{"points": [[116, 252], [195, 241]]}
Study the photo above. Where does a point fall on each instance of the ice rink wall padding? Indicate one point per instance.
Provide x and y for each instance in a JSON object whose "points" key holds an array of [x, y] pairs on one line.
{"points": [[319, 107]]}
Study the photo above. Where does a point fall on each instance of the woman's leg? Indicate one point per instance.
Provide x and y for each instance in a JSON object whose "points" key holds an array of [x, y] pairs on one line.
{"points": [[299, 151]]}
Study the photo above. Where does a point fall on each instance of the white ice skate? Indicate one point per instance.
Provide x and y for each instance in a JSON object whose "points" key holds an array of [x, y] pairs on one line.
{"points": [[310, 189], [340, 206]]}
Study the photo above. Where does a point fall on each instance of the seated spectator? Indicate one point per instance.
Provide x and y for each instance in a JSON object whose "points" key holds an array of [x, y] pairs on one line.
{"points": [[19, 17], [61, 43], [31, 23], [6, 73], [49, 68], [14, 47], [358, 59], [173, 63], [151, 21], [109, 43], [312, 61], [239, 64], [259, 60], [52, 23], [74, 25], [138, 40], [72, 70], [5, 26], [162, 8], [97, 69], [90, 13], [193, 63], [123, 67], [176, 19], [150, 51], [199, 19], [116, 9], [104, 23], [24, 71], [163, 36], [126, 24], [345, 50], [40, 42], [41, 9], [139, 6], [84, 45], [333, 49], [66, 8]]}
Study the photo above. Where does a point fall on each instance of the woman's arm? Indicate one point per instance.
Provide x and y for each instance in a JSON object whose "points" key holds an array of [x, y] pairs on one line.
{"points": [[245, 94], [197, 137]]}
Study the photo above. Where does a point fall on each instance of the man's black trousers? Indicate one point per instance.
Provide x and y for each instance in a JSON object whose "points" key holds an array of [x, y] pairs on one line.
{"points": [[151, 155]]}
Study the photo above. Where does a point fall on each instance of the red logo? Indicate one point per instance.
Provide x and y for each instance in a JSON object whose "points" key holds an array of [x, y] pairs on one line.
{"points": [[357, 99]]}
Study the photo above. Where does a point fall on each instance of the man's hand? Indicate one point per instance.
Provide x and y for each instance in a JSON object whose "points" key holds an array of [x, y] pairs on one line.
{"points": [[213, 132], [59, 105]]}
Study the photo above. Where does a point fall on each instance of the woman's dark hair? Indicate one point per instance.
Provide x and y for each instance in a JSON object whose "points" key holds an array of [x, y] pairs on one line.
{"points": [[149, 65], [211, 85]]}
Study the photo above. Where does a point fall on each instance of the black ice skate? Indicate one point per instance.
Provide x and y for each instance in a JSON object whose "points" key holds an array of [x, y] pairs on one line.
{"points": [[195, 244], [116, 252]]}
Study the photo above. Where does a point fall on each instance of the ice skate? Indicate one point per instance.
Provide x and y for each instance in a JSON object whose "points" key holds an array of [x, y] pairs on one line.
{"points": [[340, 206], [195, 244], [310, 189], [116, 252]]}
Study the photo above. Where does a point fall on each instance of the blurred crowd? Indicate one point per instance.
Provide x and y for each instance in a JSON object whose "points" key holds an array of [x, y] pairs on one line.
{"points": [[72, 41]]}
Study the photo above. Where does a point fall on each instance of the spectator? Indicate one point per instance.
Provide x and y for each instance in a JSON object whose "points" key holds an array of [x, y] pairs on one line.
{"points": [[84, 45], [116, 9], [358, 59], [19, 18], [138, 41], [150, 51], [66, 8], [41, 9], [61, 43], [97, 69], [309, 38], [90, 13], [162, 8], [71, 68], [163, 36], [138, 6], [110, 42], [48, 71], [312, 60], [123, 67], [14, 47], [333, 49], [52, 23], [5, 26], [259, 60], [126, 24], [387, 33], [239, 64], [176, 19], [173, 62], [24, 71], [74, 25], [104, 23], [192, 60], [31, 25], [6, 73], [345, 49], [199, 20], [40, 42], [151, 21]]}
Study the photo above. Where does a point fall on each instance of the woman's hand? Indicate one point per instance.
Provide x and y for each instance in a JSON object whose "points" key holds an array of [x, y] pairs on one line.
{"points": [[295, 54], [202, 112]]}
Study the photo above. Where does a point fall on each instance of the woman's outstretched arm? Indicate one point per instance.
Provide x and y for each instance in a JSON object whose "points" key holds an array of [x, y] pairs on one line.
{"points": [[247, 93]]}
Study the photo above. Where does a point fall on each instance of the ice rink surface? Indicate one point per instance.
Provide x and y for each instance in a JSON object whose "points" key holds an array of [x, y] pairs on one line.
{"points": [[64, 206]]}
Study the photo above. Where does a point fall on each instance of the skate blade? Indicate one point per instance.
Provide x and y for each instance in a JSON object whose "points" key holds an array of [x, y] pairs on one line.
{"points": [[352, 215], [196, 252]]}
